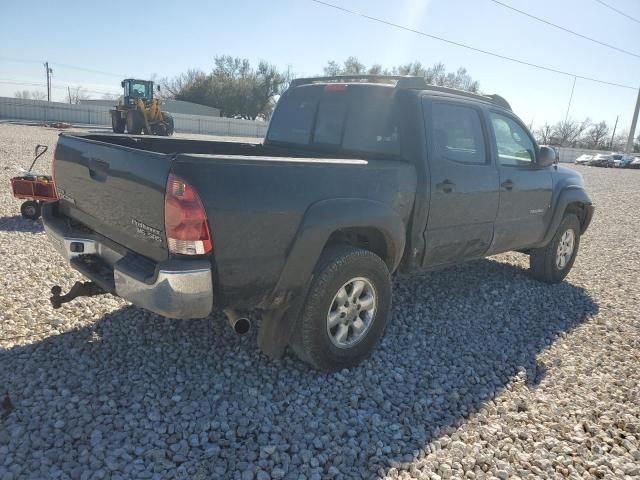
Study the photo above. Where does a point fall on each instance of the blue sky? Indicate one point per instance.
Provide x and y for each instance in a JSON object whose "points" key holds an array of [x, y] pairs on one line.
{"points": [[303, 35]]}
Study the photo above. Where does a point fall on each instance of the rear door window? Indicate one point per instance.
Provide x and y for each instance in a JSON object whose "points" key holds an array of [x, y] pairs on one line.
{"points": [[458, 134]]}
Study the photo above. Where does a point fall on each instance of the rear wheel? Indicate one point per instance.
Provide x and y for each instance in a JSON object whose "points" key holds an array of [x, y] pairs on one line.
{"points": [[553, 262], [30, 209], [117, 123], [135, 122], [346, 310]]}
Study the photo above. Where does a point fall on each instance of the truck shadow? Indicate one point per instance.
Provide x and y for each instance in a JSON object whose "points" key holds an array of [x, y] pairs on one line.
{"points": [[459, 338], [19, 224]]}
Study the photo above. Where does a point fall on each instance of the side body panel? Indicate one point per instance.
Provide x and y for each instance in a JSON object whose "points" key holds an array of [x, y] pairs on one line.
{"points": [[257, 210]]}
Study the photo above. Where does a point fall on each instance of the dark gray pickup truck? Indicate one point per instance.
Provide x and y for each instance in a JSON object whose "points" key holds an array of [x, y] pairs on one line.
{"points": [[357, 177]]}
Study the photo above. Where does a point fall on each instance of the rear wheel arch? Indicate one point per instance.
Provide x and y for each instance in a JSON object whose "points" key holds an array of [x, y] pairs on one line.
{"points": [[371, 239]]}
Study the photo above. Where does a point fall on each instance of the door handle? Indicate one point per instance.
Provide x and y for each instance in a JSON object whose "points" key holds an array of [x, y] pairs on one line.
{"points": [[507, 184], [446, 186]]}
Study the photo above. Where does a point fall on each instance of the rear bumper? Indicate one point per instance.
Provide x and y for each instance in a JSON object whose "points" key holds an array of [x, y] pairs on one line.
{"points": [[173, 288]]}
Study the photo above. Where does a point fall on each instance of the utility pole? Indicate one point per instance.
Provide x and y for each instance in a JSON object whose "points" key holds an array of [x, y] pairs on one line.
{"points": [[48, 71], [634, 122], [570, 98], [614, 132], [69, 91]]}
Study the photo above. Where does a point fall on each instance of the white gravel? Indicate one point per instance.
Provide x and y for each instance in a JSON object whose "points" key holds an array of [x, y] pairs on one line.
{"points": [[483, 373]]}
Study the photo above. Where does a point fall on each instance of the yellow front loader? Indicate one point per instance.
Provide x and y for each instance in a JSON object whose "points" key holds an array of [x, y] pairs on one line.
{"points": [[139, 112]]}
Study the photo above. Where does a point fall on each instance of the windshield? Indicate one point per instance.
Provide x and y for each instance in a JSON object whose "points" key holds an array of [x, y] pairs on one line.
{"points": [[139, 90], [358, 120]]}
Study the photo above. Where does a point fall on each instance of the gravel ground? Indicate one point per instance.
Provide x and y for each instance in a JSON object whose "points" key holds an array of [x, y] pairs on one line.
{"points": [[483, 373]]}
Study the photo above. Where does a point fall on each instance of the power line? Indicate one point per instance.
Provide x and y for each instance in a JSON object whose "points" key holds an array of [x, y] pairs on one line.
{"points": [[469, 47], [64, 65], [566, 29], [618, 11], [60, 87]]}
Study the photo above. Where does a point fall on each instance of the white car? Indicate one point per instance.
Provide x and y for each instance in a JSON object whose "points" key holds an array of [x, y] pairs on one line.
{"points": [[621, 160], [583, 159]]}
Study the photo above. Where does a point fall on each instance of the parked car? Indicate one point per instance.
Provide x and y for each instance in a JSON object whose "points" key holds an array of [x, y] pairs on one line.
{"points": [[634, 163], [583, 159], [602, 160], [621, 160], [357, 178]]}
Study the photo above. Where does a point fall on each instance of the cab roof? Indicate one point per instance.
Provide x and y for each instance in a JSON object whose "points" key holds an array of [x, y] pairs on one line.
{"points": [[400, 81]]}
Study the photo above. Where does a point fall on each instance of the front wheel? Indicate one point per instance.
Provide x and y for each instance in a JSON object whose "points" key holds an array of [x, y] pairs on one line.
{"points": [[346, 310], [170, 125], [552, 263]]}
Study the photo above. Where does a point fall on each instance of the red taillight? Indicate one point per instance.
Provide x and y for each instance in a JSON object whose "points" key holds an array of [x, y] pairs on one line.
{"points": [[185, 220], [335, 87]]}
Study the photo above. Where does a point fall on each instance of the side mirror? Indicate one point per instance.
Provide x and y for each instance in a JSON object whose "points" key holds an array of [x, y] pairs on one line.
{"points": [[122, 84], [158, 87], [547, 157]]}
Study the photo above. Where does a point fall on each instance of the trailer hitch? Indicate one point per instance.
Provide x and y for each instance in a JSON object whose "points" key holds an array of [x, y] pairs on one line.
{"points": [[79, 289]]}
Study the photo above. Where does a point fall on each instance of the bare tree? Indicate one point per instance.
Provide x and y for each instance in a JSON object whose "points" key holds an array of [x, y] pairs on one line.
{"points": [[620, 141], [76, 94], [30, 94], [597, 135], [567, 132], [544, 134]]}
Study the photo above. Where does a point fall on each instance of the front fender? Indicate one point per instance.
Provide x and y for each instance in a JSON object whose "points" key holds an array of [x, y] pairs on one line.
{"points": [[568, 195]]}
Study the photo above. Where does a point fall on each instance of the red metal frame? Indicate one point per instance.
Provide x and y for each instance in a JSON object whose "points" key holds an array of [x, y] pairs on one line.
{"points": [[39, 188]]}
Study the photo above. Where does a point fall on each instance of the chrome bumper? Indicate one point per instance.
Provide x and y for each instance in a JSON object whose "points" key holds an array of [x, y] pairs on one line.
{"points": [[180, 288]]}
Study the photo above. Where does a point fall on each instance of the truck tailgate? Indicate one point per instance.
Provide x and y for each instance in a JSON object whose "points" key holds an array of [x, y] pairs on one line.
{"points": [[115, 190]]}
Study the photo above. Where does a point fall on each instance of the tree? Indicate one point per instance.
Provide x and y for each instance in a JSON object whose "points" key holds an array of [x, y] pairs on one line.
{"points": [[435, 75], [597, 136], [76, 95], [619, 141], [567, 132], [30, 94], [236, 88], [543, 134]]}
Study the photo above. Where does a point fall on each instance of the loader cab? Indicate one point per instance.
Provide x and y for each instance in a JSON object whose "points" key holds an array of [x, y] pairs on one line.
{"points": [[135, 89]]}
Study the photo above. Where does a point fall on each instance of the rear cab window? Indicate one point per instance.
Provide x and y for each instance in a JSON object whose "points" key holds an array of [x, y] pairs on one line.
{"points": [[346, 119]]}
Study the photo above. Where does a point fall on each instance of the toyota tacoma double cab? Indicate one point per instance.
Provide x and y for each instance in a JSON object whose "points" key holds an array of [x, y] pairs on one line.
{"points": [[358, 177]]}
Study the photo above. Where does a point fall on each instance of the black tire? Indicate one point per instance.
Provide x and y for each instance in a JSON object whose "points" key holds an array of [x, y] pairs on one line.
{"points": [[169, 121], [117, 124], [30, 210], [542, 261], [311, 340], [135, 122]]}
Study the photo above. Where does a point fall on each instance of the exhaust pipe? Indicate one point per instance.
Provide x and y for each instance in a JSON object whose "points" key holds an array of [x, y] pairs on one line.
{"points": [[240, 324]]}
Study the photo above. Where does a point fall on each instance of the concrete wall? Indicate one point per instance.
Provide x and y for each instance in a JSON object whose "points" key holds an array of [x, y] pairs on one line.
{"points": [[172, 106], [569, 155], [42, 111]]}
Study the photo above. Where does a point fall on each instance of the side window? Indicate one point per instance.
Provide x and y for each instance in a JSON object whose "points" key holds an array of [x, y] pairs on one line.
{"points": [[457, 132], [515, 147]]}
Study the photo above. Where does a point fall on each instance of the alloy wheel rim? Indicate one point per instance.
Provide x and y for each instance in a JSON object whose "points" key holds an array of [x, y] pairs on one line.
{"points": [[351, 312], [565, 249]]}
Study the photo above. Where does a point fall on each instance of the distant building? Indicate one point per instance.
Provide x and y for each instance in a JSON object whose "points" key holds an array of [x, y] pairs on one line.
{"points": [[171, 106]]}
